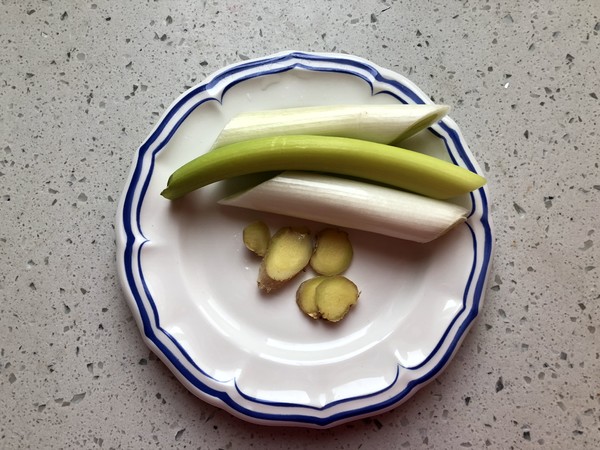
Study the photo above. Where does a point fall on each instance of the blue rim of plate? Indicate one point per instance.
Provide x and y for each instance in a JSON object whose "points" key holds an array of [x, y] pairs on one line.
{"points": [[131, 240]]}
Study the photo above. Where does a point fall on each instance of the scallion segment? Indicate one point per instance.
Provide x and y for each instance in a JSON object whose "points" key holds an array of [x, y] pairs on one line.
{"points": [[352, 204], [380, 163], [385, 124]]}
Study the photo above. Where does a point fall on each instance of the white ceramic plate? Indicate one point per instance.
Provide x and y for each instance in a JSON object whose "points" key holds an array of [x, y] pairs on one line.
{"points": [[192, 285]]}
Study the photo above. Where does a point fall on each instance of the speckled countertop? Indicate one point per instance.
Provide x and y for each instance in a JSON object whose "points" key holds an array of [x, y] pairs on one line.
{"points": [[81, 85]]}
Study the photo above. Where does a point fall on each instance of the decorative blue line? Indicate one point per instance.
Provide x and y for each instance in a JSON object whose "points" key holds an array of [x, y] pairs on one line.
{"points": [[462, 309], [320, 408], [294, 60]]}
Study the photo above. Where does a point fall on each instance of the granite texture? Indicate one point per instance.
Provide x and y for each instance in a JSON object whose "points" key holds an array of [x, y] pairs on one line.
{"points": [[81, 85]]}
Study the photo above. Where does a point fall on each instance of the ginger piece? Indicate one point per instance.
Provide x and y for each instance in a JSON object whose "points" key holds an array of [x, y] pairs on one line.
{"points": [[256, 237], [306, 298], [335, 296], [333, 252], [288, 253]]}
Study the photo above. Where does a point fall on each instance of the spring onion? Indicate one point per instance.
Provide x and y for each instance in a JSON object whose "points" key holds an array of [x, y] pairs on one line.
{"points": [[352, 204], [404, 169], [385, 124]]}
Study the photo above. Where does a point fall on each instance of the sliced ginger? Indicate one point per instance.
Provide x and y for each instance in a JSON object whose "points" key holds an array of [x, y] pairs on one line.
{"points": [[306, 296], [257, 237], [333, 252], [288, 253], [329, 298], [328, 295], [334, 296]]}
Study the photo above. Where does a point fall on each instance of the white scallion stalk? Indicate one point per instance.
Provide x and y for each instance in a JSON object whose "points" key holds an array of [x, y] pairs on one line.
{"points": [[385, 124], [352, 204]]}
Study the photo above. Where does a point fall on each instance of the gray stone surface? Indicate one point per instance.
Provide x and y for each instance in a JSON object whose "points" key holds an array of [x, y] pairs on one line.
{"points": [[81, 85]]}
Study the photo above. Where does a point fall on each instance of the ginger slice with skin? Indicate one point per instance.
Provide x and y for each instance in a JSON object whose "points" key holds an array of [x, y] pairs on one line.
{"points": [[288, 253], [335, 296], [333, 252], [306, 296], [256, 237]]}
